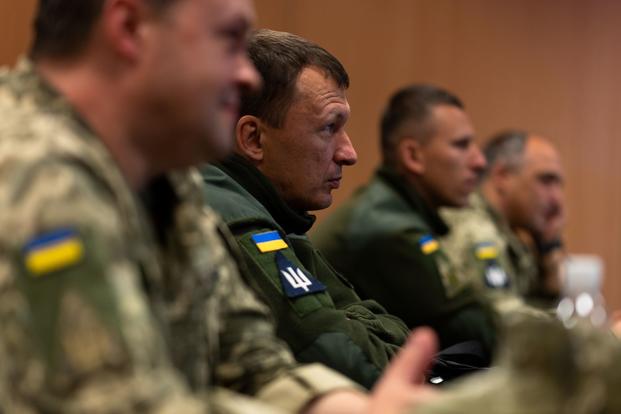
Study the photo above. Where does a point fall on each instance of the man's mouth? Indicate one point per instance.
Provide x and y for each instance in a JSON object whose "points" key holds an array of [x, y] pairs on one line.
{"points": [[335, 182], [230, 102]]}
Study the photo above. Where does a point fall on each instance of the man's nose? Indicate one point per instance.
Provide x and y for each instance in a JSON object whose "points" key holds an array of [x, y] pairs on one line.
{"points": [[478, 161], [345, 153]]}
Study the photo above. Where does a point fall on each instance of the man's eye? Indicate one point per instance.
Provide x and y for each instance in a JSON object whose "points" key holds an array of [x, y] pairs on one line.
{"points": [[330, 128], [236, 36], [462, 143], [549, 179], [235, 42]]}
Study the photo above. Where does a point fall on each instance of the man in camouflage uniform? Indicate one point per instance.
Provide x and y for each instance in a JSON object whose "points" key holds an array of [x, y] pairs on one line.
{"points": [[385, 239], [291, 147], [118, 292], [521, 192]]}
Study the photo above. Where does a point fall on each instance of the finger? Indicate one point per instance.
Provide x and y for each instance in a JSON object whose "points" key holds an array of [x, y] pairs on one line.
{"points": [[415, 356]]}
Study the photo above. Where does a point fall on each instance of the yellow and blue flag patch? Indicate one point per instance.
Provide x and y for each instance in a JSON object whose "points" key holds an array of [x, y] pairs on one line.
{"points": [[428, 244], [53, 251], [486, 251], [269, 242]]}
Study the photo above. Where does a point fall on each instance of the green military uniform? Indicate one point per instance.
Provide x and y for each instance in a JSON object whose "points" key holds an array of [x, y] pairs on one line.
{"points": [[99, 313], [490, 255], [317, 311], [385, 241], [542, 368]]}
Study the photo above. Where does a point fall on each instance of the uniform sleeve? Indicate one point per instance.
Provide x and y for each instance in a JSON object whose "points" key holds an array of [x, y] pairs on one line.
{"points": [[252, 359], [76, 331], [306, 316], [396, 272], [388, 327]]}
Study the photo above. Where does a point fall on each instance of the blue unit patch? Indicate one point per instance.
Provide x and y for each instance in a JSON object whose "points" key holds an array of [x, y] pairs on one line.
{"points": [[495, 276], [295, 282]]}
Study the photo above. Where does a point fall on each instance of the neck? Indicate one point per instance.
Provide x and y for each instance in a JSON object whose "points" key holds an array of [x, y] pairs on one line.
{"points": [[422, 190], [99, 100]]}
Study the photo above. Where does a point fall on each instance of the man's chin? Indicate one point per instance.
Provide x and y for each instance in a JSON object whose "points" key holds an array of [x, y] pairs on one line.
{"points": [[319, 204]]}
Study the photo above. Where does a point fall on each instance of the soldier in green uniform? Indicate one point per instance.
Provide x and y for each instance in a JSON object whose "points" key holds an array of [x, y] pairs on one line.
{"points": [[118, 288], [386, 239], [291, 148], [521, 192]]}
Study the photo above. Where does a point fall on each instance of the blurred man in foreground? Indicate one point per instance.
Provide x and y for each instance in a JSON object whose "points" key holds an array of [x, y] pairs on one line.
{"points": [[118, 288]]}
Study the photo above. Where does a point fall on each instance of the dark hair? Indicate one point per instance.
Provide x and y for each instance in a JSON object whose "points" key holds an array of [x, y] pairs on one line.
{"points": [[62, 27], [414, 104], [506, 147], [280, 57]]}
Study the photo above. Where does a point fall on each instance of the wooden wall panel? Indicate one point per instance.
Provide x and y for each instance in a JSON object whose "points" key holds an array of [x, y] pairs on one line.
{"points": [[15, 19]]}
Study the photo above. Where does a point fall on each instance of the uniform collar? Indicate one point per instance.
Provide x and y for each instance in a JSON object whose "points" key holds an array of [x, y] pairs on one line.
{"points": [[261, 188], [409, 194]]}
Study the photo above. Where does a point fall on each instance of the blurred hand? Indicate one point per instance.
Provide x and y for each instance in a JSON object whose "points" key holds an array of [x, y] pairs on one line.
{"points": [[402, 385], [400, 390]]}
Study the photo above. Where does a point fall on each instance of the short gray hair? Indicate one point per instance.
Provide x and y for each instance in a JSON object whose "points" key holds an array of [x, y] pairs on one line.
{"points": [[506, 147]]}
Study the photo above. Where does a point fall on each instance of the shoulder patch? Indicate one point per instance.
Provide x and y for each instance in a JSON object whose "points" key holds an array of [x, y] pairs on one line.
{"points": [[496, 277], [295, 282], [269, 241], [486, 251], [53, 251], [428, 244]]}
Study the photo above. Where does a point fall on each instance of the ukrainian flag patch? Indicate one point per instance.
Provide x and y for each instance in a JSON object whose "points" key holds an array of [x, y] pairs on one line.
{"points": [[428, 244], [486, 251], [53, 251], [269, 241]]}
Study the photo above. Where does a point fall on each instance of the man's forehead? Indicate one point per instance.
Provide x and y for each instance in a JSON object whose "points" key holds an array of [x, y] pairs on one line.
{"points": [[318, 90], [451, 120], [230, 10], [540, 151]]}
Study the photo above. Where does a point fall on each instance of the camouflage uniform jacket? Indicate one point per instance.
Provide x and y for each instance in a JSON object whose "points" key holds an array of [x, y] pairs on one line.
{"points": [[385, 241], [489, 254], [542, 368], [100, 313], [317, 311]]}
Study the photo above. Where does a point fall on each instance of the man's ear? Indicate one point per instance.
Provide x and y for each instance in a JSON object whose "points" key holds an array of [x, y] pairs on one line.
{"points": [[411, 156], [124, 27], [249, 137]]}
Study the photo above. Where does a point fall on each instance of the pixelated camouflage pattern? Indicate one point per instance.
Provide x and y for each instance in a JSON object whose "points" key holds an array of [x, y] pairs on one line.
{"points": [[135, 325], [477, 224], [542, 368]]}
